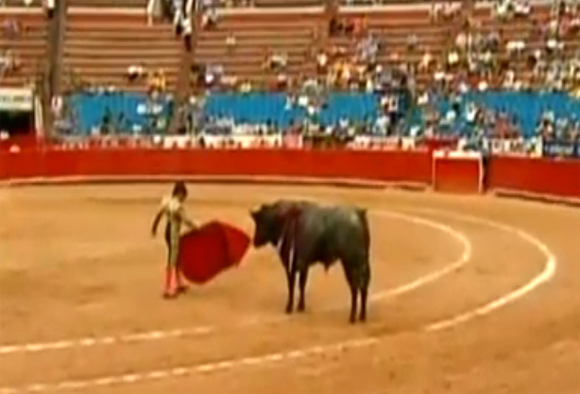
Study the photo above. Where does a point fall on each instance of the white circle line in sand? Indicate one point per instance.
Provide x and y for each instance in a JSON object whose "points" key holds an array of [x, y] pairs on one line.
{"points": [[149, 336], [544, 276]]}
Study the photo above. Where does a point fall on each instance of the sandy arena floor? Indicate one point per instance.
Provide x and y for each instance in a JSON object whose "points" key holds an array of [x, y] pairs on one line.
{"points": [[470, 295]]}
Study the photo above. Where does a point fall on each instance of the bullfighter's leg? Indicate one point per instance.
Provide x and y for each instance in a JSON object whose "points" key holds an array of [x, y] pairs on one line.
{"points": [[181, 287], [169, 291], [303, 278], [171, 271], [291, 276], [364, 288]]}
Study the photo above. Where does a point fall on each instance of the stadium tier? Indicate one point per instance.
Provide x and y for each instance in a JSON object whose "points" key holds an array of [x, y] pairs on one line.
{"points": [[99, 48], [23, 47], [434, 67], [257, 35]]}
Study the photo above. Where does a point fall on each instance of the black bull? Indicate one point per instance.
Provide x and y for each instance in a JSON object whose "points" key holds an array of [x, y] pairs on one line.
{"points": [[305, 233]]}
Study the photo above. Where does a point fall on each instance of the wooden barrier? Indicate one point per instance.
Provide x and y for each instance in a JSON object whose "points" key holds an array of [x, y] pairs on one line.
{"points": [[385, 166], [453, 172], [559, 178]]}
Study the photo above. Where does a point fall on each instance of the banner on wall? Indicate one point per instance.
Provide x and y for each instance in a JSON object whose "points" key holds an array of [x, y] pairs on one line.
{"points": [[512, 146], [561, 149], [13, 99]]}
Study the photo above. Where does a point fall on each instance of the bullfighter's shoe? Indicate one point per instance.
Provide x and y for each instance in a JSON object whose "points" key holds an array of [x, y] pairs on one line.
{"points": [[169, 295]]}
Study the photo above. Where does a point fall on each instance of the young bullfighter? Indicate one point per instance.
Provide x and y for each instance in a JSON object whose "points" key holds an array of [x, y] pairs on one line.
{"points": [[172, 209]]}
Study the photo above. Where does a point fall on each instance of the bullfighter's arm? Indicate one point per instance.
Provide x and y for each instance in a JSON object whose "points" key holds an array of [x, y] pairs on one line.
{"points": [[156, 222]]}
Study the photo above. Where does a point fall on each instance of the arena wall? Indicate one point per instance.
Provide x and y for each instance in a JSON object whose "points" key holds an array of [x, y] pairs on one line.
{"points": [[535, 177], [463, 173]]}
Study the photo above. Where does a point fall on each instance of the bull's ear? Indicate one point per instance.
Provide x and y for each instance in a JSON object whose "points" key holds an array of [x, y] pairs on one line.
{"points": [[254, 214]]}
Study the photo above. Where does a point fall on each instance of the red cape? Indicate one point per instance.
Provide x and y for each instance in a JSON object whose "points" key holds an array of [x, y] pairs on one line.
{"points": [[211, 249]]}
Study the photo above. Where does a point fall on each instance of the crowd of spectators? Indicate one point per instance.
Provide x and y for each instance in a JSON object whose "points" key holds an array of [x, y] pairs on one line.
{"points": [[514, 49], [480, 55]]}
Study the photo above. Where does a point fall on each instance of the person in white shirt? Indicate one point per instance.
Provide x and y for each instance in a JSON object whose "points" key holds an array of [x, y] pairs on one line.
{"points": [[515, 46], [382, 124]]}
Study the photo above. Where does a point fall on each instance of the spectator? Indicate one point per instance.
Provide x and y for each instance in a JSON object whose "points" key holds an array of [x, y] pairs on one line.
{"points": [[178, 16], [135, 72], [322, 62], [426, 61], [502, 9], [187, 30], [515, 47], [49, 7], [9, 62], [453, 58], [209, 18], [11, 28], [553, 45], [522, 8], [231, 42], [435, 11], [213, 74], [412, 42], [276, 61], [157, 82]]}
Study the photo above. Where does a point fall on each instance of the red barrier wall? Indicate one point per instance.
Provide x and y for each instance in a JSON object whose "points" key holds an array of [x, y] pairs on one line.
{"points": [[554, 177], [455, 175], [389, 166], [560, 178]]}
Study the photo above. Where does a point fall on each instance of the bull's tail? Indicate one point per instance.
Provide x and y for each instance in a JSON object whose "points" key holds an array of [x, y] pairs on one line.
{"points": [[364, 269], [362, 215], [365, 273]]}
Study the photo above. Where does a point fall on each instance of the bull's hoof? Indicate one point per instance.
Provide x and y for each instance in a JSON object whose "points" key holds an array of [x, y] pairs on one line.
{"points": [[363, 318], [352, 320], [289, 310], [301, 308]]}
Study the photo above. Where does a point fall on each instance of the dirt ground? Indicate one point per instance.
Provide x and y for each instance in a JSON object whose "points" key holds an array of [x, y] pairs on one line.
{"points": [[81, 307]]}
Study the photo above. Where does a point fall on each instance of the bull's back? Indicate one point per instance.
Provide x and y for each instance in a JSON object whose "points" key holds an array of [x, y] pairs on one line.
{"points": [[329, 233], [345, 233]]}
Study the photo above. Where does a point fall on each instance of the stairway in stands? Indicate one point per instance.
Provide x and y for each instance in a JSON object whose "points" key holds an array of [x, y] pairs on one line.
{"points": [[101, 43]]}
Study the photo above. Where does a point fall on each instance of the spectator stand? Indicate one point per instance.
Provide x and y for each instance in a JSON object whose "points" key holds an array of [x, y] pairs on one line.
{"points": [[263, 49], [22, 45], [257, 49]]}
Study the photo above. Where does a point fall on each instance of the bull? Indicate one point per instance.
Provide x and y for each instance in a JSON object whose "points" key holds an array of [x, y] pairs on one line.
{"points": [[305, 233]]}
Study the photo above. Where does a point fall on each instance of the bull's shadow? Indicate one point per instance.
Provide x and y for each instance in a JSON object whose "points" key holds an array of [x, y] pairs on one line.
{"points": [[305, 233]]}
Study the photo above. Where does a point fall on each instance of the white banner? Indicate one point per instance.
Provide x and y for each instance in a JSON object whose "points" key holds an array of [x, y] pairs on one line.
{"points": [[16, 99]]}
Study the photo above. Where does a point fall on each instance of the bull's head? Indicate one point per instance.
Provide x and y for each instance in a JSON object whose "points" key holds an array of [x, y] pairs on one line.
{"points": [[267, 226]]}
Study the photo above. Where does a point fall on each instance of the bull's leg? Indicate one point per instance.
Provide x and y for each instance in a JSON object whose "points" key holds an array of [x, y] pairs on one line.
{"points": [[291, 275], [303, 278], [364, 287], [363, 306], [353, 285], [353, 302]]}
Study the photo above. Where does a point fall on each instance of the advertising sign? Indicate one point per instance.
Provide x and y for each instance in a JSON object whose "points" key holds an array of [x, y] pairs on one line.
{"points": [[561, 149], [12, 99]]}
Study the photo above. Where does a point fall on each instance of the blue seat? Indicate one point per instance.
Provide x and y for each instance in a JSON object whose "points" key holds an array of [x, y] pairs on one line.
{"points": [[526, 107], [90, 108]]}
